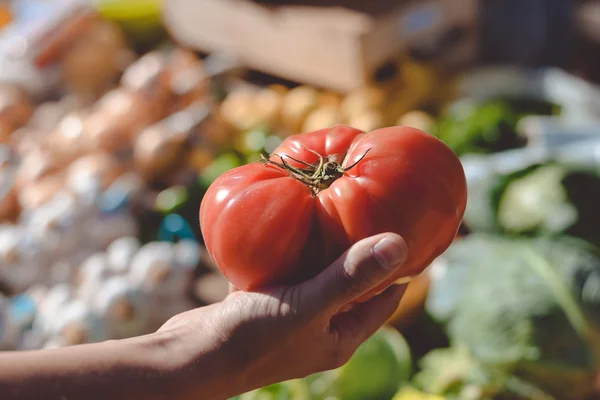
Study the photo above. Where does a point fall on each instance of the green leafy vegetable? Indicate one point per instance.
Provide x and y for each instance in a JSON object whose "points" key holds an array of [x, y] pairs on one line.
{"points": [[453, 373], [527, 310], [482, 128], [487, 127], [546, 199], [449, 371]]}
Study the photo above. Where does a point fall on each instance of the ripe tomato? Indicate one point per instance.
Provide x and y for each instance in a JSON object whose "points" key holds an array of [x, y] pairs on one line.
{"points": [[264, 224]]}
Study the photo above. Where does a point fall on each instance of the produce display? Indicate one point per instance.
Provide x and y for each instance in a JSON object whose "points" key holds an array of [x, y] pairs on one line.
{"points": [[542, 199], [526, 318], [128, 290], [488, 126], [114, 139], [94, 179]]}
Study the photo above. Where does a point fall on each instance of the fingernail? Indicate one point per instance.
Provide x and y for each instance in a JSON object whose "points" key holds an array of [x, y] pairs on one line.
{"points": [[389, 253]]}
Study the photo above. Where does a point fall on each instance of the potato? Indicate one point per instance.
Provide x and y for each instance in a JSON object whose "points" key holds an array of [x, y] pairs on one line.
{"points": [[323, 117], [297, 105], [268, 104], [417, 119], [368, 120], [330, 99], [361, 100], [238, 109]]}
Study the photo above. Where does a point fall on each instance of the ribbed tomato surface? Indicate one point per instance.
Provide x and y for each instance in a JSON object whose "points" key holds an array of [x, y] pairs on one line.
{"points": [[267, 224]]}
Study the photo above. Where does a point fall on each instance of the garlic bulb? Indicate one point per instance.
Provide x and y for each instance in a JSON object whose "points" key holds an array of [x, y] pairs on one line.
{"points": [[19, 256], [92, 272], [155, 269], [123, 307], [120, 253], [77, 324], [187, 253], [50, 305]]}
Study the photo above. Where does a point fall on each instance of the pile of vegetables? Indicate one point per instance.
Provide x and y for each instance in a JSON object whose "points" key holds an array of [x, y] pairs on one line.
{"points": [[469, 126], [510, 311], [543, 199], [263, 115]]}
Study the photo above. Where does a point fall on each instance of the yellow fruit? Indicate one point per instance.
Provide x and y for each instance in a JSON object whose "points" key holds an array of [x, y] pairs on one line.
{"points": [[281, 89], [362, 100], [367, 121], [417, 119], [330, 99], [238, 109], [323, 117], [268, 104], [297, 105]]}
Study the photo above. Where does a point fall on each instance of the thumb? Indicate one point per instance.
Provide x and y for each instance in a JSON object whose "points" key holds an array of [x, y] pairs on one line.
{"points": [[365, 266]]}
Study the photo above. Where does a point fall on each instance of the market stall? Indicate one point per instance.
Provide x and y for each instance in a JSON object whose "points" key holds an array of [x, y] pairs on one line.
{"points": [[116, 117]]}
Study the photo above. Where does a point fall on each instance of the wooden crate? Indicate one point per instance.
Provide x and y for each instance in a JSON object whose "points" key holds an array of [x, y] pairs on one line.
{"points": [[338, 46]]}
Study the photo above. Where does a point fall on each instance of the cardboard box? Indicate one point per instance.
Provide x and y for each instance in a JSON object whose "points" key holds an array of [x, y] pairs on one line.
{"points": [[338, 45]]}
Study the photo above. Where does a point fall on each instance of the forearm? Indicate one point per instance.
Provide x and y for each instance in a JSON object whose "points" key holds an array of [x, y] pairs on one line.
{"points": [[189, 358], [126, 369]]}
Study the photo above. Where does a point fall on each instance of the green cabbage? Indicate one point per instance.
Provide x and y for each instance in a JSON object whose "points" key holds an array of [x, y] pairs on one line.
{"points": [[523, 308]]}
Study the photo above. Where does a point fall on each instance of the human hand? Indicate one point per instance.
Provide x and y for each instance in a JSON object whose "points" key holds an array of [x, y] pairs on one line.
{"points": [[253, 339]]}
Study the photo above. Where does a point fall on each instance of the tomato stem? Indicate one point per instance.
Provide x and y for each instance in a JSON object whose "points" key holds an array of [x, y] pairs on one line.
{"points": [[317, 176]]}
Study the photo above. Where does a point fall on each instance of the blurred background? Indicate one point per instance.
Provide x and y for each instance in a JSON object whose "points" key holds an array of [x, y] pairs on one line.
{"points": [[115, 116]]}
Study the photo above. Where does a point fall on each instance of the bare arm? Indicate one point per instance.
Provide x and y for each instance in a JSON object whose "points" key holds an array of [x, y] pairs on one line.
{"points": [[147, 367], [114, 369]]}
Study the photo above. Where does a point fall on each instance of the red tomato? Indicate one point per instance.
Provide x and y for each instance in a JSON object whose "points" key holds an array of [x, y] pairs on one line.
{"points": [[264, 226]]}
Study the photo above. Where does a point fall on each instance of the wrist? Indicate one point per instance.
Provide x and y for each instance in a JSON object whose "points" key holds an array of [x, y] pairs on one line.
{"points": [[199, 363], [150, 364]]}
